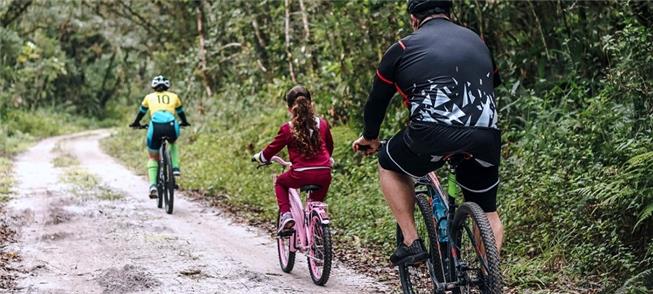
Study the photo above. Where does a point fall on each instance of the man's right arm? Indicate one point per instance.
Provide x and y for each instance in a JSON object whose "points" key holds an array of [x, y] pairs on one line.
{"points": [[142, 110]]}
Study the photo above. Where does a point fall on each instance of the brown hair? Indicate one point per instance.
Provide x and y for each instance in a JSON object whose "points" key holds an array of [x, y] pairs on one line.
{"points": [[304, 126]]}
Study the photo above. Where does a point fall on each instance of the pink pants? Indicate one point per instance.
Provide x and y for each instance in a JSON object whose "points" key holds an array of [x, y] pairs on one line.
{"points": [[295, 179]]}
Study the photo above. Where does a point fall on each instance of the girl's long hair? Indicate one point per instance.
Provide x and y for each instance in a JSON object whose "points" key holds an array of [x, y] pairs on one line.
{"points": [[304, 125]]}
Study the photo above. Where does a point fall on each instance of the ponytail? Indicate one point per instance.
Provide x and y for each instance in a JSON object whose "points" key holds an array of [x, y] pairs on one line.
{"points": [[304, 125]]}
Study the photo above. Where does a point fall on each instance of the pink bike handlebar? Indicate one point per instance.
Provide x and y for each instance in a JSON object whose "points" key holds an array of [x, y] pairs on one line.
{"points": [[280, 161]]}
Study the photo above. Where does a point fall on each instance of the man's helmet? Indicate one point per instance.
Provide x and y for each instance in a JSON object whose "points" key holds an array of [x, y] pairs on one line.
{"points": [[160, 83], [417, 6]]}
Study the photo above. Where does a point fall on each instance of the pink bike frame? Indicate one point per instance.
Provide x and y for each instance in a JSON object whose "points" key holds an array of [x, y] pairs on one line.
{"points": [[303, 215]]}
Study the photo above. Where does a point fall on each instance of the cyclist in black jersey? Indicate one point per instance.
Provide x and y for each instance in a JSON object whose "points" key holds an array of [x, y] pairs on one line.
{"points": [[446, 76]]}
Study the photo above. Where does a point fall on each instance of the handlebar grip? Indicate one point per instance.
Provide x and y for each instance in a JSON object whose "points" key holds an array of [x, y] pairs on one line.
{"points": [[363, 147]]}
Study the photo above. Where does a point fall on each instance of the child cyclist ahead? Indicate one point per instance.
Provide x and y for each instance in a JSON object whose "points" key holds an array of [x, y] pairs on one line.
{"points": [[162, 106], [310, 147]]}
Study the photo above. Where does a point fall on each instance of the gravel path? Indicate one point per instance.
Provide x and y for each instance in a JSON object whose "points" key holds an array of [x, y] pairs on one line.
{"points": [[77, 242]]}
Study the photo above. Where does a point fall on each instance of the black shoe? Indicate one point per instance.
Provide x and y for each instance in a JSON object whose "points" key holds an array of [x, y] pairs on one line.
{"points": [[153, 192], [409, 255]]}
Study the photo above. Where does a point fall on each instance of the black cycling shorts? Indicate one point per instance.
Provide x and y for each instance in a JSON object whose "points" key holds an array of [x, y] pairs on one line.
{"points": [[422, 148], [157, 131]]}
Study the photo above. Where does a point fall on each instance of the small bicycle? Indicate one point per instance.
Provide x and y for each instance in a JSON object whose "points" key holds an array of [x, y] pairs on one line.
{"points": [[310, 235], [463, 257], [165, 183]]}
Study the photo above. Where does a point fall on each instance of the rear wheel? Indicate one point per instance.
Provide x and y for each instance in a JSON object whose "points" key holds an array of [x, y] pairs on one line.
{"points": [[478, 258], [169, 194], [420, 278], [319, 255], [284, 244]]}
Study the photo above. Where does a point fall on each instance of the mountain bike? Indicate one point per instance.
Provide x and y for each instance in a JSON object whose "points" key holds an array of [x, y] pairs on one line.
{"points": [[165, 183], [463, 257], [310, 235]]}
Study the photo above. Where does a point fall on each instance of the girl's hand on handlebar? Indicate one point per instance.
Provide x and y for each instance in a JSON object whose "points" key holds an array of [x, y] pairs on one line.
{"points": [[258, 158], [366, 146]]}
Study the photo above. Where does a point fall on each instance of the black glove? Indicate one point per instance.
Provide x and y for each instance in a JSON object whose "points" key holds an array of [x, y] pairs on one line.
{"points": [[184, 124], [135, 125]]}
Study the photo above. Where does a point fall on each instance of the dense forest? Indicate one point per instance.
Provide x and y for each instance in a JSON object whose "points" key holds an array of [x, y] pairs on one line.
{"points": [[576, 109]]}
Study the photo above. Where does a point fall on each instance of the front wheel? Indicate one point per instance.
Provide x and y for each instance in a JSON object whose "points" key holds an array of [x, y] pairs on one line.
{"points": [[284, 244], [320, 254], [478, 257], [169, 191]]}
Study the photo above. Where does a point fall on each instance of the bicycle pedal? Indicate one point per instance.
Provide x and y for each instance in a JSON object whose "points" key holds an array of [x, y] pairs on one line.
{"points": [[286, 233]]}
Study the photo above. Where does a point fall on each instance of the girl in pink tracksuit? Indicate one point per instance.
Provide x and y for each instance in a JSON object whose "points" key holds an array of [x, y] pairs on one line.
{"points": [[310, 147]]}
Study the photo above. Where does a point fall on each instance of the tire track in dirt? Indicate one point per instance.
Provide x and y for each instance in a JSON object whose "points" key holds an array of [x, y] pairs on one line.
{"points": [[75, 243]]}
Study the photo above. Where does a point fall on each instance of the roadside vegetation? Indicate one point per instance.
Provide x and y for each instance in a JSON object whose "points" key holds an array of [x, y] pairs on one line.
{"points": [[575, 110]]}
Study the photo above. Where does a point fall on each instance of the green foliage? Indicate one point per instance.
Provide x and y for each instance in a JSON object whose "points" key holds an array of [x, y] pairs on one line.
{"points": [[575, 108], [6, 180], [19, 128]]}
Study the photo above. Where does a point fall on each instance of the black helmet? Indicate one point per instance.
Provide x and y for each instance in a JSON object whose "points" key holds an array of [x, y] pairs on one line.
{"points": [[418, 6]]}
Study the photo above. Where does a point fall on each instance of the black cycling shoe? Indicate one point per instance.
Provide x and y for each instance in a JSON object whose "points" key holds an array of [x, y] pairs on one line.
{"points": [[154, 193], [409, 255]]}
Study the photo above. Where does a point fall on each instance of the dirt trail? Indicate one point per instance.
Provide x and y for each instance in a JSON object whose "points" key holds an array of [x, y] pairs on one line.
{"points": [[72, 243]]}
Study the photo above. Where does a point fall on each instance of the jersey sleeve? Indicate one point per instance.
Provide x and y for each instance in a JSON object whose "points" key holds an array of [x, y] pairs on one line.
{"points": [[279, 142], [178, 103], [145, 105], [383, 88], [328, 139]]}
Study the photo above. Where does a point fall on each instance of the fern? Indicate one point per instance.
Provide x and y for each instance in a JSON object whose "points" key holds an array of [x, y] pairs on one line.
{"points": [[645, 214]]}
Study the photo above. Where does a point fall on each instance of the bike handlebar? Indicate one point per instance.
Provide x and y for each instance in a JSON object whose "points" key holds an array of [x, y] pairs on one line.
{"points": [[275, 159], [141, 127], [367, 147]]}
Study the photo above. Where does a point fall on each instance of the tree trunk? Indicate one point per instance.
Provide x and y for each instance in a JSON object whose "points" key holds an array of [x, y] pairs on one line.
{"points": [[260, 46], [307, 36], [287, 32], [104, 95], [202, 50], [15, 10]]}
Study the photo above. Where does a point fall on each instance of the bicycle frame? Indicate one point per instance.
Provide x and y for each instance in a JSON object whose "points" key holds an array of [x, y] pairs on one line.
{"points": [[448, 199], [455, 270], [302, 214]]}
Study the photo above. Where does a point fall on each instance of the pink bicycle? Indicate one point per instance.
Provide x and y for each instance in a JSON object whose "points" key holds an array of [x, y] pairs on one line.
{"points": [[310, 235]]}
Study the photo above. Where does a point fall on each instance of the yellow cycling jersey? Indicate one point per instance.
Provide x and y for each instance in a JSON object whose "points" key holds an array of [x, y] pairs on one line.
{"points": [[158, 101]]}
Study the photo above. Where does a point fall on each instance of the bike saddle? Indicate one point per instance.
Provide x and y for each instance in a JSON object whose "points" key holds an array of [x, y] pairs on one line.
{"points": [[310, 188]]}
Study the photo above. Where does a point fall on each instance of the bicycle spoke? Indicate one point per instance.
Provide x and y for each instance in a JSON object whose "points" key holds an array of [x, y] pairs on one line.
{"points": [[479, 254], [477, 263]]}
